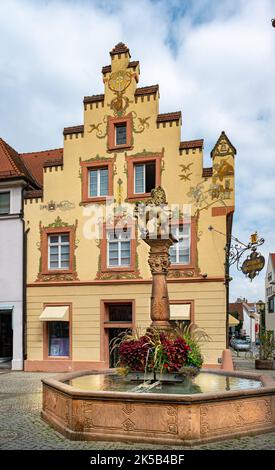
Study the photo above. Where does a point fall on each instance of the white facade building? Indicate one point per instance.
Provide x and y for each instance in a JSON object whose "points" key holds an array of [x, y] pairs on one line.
{"points": [[14, 179], [270, 293]]}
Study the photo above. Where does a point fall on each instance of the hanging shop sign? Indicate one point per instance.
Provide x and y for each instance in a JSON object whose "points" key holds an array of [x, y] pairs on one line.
{"points": [[253, 264]]}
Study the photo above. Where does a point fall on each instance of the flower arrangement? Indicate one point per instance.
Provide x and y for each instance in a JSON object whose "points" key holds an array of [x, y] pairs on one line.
{"points": [[173, 351]]}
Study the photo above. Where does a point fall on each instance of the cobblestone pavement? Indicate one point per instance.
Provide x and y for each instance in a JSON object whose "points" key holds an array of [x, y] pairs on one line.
{"points": [[22, 428]]}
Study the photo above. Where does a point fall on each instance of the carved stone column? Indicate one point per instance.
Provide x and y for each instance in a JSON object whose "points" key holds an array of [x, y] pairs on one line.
{"points": [[159, 262]]}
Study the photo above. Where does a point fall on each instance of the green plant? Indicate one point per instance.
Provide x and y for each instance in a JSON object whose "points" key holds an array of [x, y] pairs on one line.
{"points": [[156, 350], [267, 345]]}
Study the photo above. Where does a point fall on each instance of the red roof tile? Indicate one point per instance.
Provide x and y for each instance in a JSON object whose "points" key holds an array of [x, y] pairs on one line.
{"points": [[176, 116], [147, 90], [237, 307], [33, 194], [108, 68], [191, 144], [207, 172], [35, 161], [93, 99], [11, 165], [73, 130], [120, 48]]}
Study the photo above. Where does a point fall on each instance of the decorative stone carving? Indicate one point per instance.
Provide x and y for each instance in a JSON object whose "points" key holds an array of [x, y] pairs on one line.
{"points": [[223, 418], [159, 263]]}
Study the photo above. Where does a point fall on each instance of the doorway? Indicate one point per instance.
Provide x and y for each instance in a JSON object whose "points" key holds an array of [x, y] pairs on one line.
{"points": [[6, 335], [118, 318]]}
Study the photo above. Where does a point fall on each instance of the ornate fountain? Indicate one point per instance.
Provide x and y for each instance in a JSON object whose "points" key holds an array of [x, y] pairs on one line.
{"points": [[100, 405]]}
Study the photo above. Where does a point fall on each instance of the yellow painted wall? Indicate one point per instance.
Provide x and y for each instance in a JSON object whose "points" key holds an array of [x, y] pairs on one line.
{"points": [[64, 183]]}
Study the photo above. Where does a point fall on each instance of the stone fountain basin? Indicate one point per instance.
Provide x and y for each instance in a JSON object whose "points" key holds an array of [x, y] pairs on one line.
{"points": [[158, 418]]}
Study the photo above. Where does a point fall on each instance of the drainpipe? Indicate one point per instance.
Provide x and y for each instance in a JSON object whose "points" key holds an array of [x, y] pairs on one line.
{"points": [[24, 271]]}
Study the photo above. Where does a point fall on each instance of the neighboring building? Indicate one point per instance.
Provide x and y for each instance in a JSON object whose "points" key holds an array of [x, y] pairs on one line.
{"points": [[270, 293], [84, 290], [14, 180], [246, 313]]}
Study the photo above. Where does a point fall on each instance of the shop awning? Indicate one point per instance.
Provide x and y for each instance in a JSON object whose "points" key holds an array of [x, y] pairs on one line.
{"points": [[233, 321], [179, 311], [55, 313]]}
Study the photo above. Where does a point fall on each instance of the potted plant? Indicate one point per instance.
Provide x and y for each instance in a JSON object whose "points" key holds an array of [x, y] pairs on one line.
{"points": [[160, 355], [267, 346]]}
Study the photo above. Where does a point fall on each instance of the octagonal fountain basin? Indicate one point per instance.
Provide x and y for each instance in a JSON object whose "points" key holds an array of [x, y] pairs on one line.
{"points": [[213, 406]]}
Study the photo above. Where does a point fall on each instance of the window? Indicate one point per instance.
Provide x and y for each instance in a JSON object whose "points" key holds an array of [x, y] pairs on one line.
{"points": [[269, 277], [119, 249], [58, 338], [121, 133], [59, 251], [271, 305], [145, 177], [5, 203], [98, 182], [97, 179], [180, 252]]}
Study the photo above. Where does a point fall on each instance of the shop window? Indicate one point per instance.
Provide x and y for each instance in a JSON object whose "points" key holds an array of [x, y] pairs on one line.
{"points": [[58, 339], [5, 202]]}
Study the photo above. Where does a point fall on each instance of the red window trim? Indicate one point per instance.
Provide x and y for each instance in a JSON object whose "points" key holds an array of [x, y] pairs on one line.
{"points": [[86, 166], [131, 161], [46, 356], [45, 249], [193, 245], [112, 121], [104, 256]]}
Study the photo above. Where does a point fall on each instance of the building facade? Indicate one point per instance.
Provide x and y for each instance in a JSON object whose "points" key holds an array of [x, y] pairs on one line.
{"points": [[86, 282], [246, 313], [270, 293], [14, 180]]}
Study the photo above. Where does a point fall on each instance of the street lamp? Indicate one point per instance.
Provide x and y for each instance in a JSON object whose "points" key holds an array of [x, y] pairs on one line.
{"points": [[273, 22]]}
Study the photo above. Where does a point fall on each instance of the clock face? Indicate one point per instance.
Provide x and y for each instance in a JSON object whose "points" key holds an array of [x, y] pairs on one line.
{"points": [[119, 81]]}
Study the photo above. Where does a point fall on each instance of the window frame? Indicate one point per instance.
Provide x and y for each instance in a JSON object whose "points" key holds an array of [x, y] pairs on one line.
{"points": [[133, 160], [59, 244], [112, 123], [98, 181], [46, 356], [193, 245], [96, 165], [117, 126], [176, 245], [45, 249], [9, 211], [118, 242], [104, 268]]}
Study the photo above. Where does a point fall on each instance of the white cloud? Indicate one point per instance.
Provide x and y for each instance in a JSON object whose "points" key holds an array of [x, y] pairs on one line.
{"points": [[212, 59]]}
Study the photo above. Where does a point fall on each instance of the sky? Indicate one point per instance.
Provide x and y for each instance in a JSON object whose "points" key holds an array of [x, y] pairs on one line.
{"points": [[213, 59]]}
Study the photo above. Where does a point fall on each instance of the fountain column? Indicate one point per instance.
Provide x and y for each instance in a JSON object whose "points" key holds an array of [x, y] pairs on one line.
{"points": [[159, 262]]}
